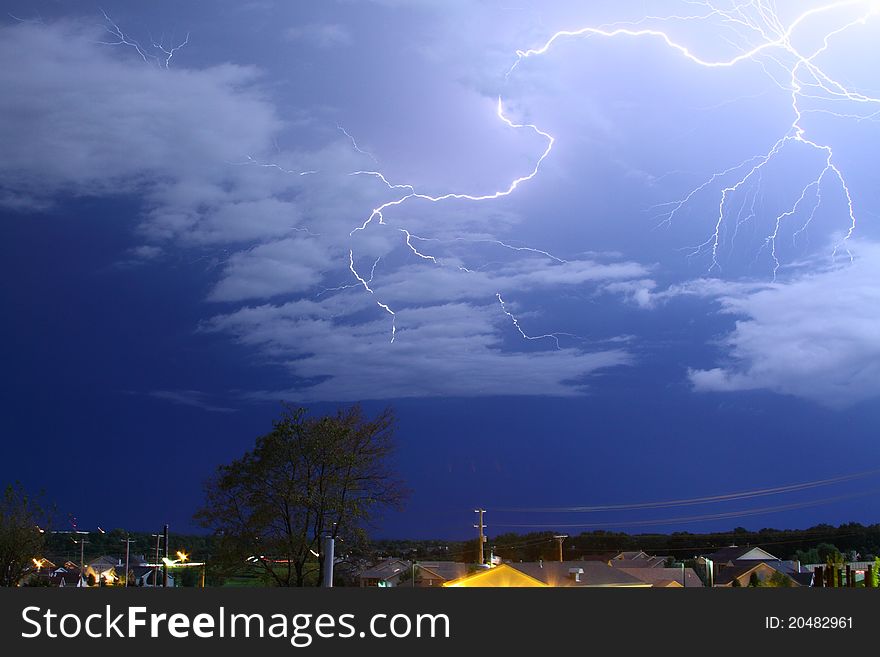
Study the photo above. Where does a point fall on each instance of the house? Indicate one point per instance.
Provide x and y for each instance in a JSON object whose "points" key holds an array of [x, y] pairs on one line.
{"points": [[503, 576], [664, 577], [67, 575], [436, 573], [729, 555], [103, 569], [550, 574], [745, 571], [604, 557], [68, 579], [638, 559], [731, 563], [146, 576], [629, 559], [386, 573], [579, 573]]}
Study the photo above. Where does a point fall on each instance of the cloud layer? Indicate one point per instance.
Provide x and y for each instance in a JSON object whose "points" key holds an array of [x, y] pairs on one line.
{"points": [[816, 337], [199, 148]]}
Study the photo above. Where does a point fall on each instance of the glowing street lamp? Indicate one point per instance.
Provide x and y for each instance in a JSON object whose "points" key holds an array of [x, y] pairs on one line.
{"points": [[182, 561]]}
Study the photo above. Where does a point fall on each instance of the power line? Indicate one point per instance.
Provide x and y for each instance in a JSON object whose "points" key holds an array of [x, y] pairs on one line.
{"points": [[726, 497], [699, 518]]}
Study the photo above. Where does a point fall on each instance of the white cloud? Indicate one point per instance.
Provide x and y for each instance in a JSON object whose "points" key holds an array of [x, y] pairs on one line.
{"points": [[197, 147], [79, 118], [816, 337], [443, 350], [322, 35], [283, 267], [194, 398]]}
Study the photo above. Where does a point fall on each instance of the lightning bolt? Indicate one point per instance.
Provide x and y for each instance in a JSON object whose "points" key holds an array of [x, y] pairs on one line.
{"points": [[351, 285], [355, 145], [546, 336], [367, 287], [163, 60], [760, 37], [272, 165], [412, 195], [170, 53], [804, 72]]}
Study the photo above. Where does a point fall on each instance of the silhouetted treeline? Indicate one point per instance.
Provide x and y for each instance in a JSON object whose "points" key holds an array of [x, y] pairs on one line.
{"points": [[65, 546], [783, 543]]}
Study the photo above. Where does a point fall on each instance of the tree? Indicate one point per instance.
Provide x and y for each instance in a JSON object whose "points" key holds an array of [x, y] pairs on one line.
{"points": [[829, 553], [21, 539], [306, 479], [778, 580], [754, 580]]}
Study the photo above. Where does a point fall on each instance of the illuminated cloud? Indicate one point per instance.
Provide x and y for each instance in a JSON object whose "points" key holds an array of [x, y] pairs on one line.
{"points": [[444, 350], [816, 337], [276, 224], [193, 398], [322, 35]]}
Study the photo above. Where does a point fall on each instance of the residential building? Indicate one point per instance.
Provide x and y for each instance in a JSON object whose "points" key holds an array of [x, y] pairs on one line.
{"points": [[386, 573]]}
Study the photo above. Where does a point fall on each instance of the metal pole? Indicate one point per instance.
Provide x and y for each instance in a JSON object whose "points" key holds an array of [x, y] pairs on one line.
{"points": [[327, 551], [127, 546], [156, 562], [482, 537], [165, 565], [82, 561]]}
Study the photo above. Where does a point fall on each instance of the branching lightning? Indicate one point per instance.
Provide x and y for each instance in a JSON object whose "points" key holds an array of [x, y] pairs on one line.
{"points": [[412, 195], [759, 36], [162, 59], [355, 145], [272, 165], [546, 336], [806, 79], [757, 23], [367, 287]]}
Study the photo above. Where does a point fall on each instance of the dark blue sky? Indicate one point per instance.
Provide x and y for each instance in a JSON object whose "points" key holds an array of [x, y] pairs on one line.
{"points": [[178, 254]]}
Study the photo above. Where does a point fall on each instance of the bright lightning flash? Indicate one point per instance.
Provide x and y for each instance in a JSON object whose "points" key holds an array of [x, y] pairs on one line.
{"points": [[759, 24]]}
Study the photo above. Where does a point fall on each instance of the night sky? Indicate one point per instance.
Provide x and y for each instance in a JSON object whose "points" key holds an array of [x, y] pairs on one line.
{"points": [[677, 298]]}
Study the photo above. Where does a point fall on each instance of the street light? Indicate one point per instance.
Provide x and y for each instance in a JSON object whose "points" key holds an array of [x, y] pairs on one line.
{"points": [[182, 562]]}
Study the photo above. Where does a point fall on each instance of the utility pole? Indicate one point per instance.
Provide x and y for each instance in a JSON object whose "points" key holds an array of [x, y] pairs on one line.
{"points": [[82, 561], [156, 562], [165, 565], [128, 541], [560, 538], [482, 536]]}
